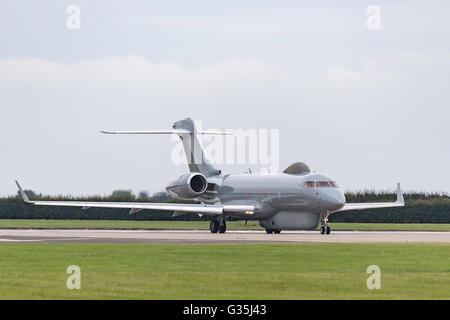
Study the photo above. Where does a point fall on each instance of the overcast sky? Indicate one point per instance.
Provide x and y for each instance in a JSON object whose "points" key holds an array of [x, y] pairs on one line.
{"points": [[368, 107]]}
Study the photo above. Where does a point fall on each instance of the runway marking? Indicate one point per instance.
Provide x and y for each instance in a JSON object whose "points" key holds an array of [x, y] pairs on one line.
{"points": [[13, 240], [44, 239]]}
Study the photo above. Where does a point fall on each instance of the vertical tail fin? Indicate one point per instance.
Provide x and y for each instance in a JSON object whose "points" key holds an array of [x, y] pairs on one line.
{"points": [[195, 154]]}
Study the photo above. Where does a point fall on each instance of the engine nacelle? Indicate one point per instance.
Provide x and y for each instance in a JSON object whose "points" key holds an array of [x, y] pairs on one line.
{"points": [[188, 186]]}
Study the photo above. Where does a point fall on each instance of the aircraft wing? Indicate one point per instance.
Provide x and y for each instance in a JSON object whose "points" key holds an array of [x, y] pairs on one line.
{"points": [[400, 202], [204, 209]]}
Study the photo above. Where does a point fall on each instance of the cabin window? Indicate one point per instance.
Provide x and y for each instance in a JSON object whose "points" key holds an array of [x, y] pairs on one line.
{"points": [[322, 184], [309, 184], [333, 184]]}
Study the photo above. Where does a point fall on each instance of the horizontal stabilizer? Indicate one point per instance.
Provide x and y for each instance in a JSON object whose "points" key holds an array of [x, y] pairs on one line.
{"points": [[179, 132]]}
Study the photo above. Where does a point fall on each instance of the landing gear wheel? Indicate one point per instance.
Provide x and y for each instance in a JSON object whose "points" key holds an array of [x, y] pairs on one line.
{"points": [[276, 231], [214, 226], [324, 229], [222, 227], [269, 230]]}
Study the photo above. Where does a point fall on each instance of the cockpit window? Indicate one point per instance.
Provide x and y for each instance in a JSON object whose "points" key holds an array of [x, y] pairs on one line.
{"points": [[309, 184], [322, 184], [333, 184]]}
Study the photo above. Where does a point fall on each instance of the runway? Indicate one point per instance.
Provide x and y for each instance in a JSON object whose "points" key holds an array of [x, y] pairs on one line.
{"points": [[203, 236]]}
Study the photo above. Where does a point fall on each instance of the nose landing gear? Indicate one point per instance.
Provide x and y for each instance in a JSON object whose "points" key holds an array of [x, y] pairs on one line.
{"points": [[325, 228], [268, 230]]}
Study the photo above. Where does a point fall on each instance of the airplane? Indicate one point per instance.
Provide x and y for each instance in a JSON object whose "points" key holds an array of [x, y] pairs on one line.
{"points": [[296, 199]]}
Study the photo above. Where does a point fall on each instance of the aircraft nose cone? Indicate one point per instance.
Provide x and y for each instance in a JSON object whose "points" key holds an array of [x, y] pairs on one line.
{"points": [[334, 201], [340, 200]]}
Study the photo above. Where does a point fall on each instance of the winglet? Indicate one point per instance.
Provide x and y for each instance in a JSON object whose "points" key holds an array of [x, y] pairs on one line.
{"points": [[400, 195], [23, 194]]}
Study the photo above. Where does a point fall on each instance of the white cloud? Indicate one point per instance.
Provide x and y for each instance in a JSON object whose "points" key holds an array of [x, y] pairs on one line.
{"points": [[341, 78], [136, 74]]}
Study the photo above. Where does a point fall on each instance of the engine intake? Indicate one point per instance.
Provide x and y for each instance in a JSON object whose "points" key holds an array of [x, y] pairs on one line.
{"points": [[188, 186], [197, 183]]}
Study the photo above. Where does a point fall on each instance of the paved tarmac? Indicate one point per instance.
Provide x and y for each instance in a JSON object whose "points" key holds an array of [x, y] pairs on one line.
{"points": [[203, 236]]}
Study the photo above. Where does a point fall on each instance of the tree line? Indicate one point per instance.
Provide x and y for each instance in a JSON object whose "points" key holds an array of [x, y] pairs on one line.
{"points": [[420, 207]]}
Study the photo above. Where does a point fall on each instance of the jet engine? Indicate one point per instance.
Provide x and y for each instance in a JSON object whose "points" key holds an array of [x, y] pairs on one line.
{"points": [[188, 186]]}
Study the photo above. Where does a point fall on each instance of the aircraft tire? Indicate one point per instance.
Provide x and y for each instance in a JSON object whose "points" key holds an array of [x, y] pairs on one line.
{"points": [[214, 226], [223, 227], [327, 230], [322, 230], [277, 231], [269, 230]]}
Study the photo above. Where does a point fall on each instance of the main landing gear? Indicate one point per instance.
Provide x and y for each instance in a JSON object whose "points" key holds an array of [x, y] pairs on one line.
{"points": [[218, 226], [273, 230]]}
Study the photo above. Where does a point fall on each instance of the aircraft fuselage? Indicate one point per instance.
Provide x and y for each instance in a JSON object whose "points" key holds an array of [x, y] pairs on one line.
{"points": [[277, 196]]}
